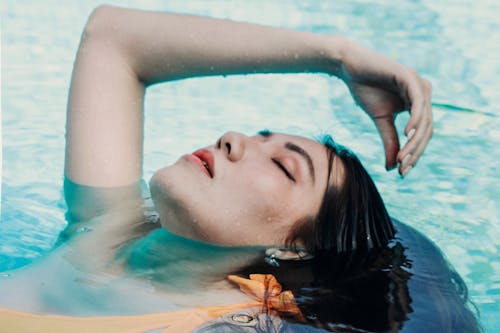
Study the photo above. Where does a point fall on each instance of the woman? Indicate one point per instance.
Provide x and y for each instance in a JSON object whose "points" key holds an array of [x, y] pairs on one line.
{"points": [[309, 199], [288, 181], [123, 51]]}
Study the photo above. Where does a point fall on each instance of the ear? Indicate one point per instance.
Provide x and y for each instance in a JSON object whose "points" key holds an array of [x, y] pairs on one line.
{"points": [[288, 254]]}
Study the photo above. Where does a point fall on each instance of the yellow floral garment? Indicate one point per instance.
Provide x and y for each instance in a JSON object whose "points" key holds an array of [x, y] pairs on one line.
{"points": [[264, 288]]}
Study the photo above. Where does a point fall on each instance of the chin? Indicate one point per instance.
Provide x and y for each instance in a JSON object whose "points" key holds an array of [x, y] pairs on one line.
{"points": [[166, 182], [160, 183], [174, 201]]}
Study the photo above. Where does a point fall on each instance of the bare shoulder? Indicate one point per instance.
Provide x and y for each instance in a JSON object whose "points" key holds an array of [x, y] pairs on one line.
{"points": [[86, 202], [96, 243]]}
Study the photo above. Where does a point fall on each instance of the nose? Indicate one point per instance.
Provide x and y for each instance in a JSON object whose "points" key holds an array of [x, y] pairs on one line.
{"points": [[233, 145]]}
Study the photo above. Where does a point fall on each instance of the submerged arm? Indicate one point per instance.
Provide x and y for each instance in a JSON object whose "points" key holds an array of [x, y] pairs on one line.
{"points": [[122, 51]]}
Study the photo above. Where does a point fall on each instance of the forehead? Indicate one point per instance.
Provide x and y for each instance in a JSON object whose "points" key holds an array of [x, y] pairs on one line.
{"points": [[313, 147]]}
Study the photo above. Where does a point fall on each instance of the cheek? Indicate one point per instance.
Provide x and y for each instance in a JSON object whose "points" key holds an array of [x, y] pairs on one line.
{"points": [[268, 196]]}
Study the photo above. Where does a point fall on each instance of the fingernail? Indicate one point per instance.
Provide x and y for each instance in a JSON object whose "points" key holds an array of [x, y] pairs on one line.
{"points": [[410, 133], [405, 171], [390, 167], [406, 159]]}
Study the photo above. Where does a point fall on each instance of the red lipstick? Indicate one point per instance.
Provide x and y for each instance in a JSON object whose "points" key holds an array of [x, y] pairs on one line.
{"points": [[207, 159]]}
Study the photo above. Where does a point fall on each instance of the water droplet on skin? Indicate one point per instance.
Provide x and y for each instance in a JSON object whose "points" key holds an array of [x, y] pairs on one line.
{"points": [[296, 56], [211, 68]]}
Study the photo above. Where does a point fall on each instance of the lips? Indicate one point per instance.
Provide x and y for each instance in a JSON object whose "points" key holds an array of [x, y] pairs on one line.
{"points": [[207, 158]]}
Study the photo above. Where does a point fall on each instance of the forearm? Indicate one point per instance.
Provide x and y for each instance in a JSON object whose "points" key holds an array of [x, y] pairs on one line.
{"points": [[161, 47]]}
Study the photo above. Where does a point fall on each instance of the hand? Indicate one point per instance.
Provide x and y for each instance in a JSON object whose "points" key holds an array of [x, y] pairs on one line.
{"points": [[383, 88]]}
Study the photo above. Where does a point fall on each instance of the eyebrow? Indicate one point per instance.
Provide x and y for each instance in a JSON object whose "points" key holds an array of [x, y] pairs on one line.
{"points": [[293, 147]]}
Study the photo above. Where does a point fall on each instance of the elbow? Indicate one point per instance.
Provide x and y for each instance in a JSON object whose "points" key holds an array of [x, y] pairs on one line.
{"points": [[101, 23]]}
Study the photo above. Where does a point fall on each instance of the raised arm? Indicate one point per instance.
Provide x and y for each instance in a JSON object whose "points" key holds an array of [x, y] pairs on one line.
{"points": [[122, 51]]}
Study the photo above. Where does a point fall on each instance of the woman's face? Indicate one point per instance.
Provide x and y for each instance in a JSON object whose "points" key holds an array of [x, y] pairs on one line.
{"points": [[243, 190]]}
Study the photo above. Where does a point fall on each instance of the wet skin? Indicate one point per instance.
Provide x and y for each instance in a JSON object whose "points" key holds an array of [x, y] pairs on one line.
{"points": [[244, 190]]}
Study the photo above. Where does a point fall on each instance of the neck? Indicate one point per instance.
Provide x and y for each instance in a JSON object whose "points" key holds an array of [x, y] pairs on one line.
{"points": [[171, 262]]}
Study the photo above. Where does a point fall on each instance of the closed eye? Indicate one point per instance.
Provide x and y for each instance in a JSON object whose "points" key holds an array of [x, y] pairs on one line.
{"points": [[285, 171]]}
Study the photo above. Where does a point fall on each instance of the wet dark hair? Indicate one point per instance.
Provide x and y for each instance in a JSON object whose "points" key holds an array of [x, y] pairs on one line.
{"points": [[408, 283], [349, 292], [352, 216], [358, 277]]}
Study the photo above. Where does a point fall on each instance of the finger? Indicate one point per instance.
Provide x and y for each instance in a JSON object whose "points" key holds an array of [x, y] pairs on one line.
{"points": [[421, 107], [389, 135], [412, 150], [418, 93], [411, 159], [418, 125], [417, 134], [419, 122]]}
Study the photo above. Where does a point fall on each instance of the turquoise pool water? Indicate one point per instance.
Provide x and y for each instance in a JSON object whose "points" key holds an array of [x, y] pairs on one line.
{"points": [[452, 196]]}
